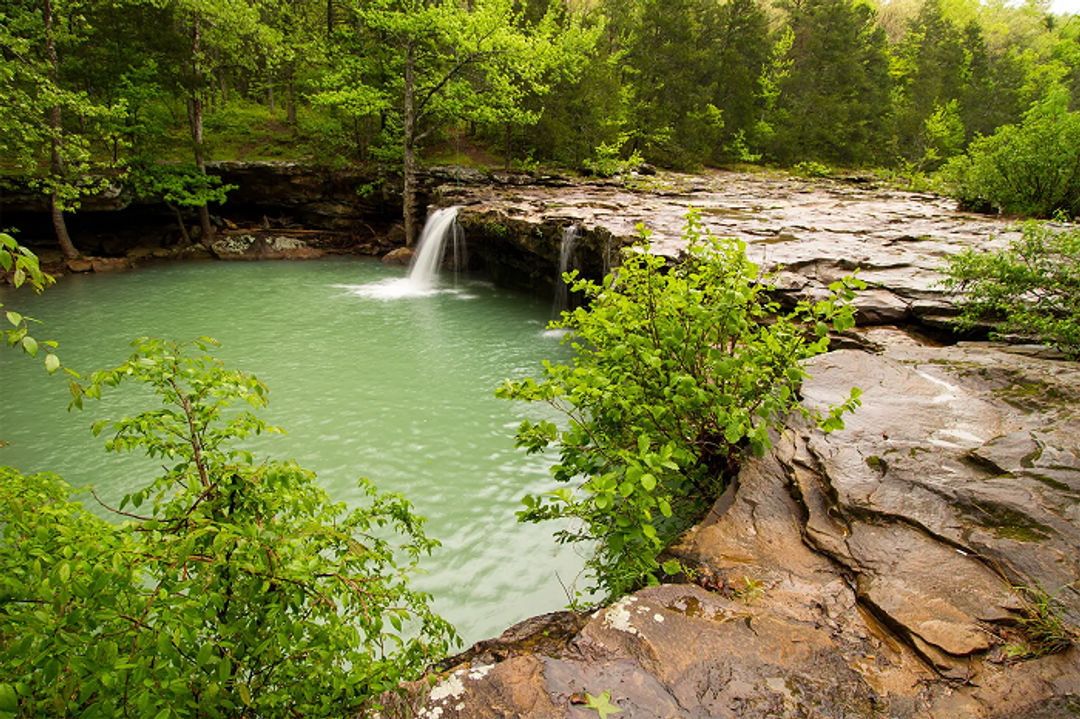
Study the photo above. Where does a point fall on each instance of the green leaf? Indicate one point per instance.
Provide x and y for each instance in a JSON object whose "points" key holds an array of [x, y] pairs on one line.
{"points": [[206, 653], [52, 363], [9, 700], [672, 567], [30, 345], [602, 704], [648, 482]]}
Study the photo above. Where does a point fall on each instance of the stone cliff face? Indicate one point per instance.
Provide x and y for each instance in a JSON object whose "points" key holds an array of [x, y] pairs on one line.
{"points": [[812, 232], [278, 210]]}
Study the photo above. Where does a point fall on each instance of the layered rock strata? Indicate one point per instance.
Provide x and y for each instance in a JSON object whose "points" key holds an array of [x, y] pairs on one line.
{"points": [[890, 569]]}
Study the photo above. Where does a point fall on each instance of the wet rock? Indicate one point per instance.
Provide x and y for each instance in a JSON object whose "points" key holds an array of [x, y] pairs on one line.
{"points": [[401, 256], [110, 264], [877, 571], [262, 246], [818, 230], [79, 264]]}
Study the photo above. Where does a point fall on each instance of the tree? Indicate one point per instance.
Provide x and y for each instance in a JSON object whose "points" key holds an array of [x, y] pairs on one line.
{"points": [[931, 63], [217, 31], [834, 102], [1030, 169], [32, 128], [416, 65], [551, 48], [232, 588], [689, 73], [677, 372], [178, 186], [588, 110]]}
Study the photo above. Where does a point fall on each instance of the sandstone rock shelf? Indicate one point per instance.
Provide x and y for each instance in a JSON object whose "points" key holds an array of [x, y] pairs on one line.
{"points": [[873, 572]]}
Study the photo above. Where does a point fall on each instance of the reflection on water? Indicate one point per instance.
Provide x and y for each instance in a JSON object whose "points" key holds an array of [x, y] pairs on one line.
{"points": [[398, 391]]}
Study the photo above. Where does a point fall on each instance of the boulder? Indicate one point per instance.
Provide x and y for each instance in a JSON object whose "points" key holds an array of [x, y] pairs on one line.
{"points": [[110, 264], [79, 264], [262, 246], [401, 256]]}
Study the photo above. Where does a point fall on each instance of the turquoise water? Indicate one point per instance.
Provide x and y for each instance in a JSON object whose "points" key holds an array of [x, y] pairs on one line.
{"points": [[397, 390]]}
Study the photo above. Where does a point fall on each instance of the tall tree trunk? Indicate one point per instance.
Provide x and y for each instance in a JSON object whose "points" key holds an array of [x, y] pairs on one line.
{"points": [[290, 101], [270, 89], [329, 18], [508, 155], [185, 238], [408, 194], [56, 205], [195, 119]]}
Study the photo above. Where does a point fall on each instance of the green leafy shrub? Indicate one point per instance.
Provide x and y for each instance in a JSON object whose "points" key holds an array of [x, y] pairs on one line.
{"points": [[676, 372], [1031, 288], [1028, 169], [233, 588], [607, 160], [24, 269], [809, 168]]}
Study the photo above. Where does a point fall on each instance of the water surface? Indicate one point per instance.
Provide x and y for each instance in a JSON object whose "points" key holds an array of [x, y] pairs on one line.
{"points": [[396, 390]]}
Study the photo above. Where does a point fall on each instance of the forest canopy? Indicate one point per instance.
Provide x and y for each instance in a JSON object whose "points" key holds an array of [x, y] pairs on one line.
{"points": [[112, 89]]}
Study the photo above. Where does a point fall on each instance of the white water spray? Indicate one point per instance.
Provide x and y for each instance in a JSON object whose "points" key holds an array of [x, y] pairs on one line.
{"points": [[441, 227], [570, 236]]}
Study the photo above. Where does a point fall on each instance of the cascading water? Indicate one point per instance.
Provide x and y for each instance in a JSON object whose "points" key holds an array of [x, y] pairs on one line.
{"points": [[440, 227], [570, 236]]}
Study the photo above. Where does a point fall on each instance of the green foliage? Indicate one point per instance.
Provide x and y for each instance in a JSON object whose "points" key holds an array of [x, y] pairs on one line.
{"points": [[1045, 629], [677, 372], [689, 75], [234, 587], [1029, 169], [809, 168], [25, 269], [180, 184], [1031, 288], [607, 159], [834, 101]]}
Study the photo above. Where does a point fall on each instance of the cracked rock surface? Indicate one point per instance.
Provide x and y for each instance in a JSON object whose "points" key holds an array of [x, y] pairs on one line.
{"points": [[815, 230], [878, 571]]}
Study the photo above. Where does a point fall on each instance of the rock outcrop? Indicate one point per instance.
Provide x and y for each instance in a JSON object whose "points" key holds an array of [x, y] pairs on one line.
{"points": [[812, 231], [891, 569]]}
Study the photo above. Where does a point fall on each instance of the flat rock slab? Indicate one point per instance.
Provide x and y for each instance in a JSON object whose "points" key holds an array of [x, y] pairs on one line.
{"points": [[817, 229], [878, 571]]}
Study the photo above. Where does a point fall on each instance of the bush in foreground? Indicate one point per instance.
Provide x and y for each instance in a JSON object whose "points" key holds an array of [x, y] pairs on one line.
{"points": [[232, 588], [676, 372]]}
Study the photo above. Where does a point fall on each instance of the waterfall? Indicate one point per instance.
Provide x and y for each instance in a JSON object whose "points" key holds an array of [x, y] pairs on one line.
{"points": [[441, 225], [570, 236]]}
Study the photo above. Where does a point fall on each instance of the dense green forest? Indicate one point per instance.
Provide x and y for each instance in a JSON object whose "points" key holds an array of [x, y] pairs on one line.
{"points": [[152, 89]]}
